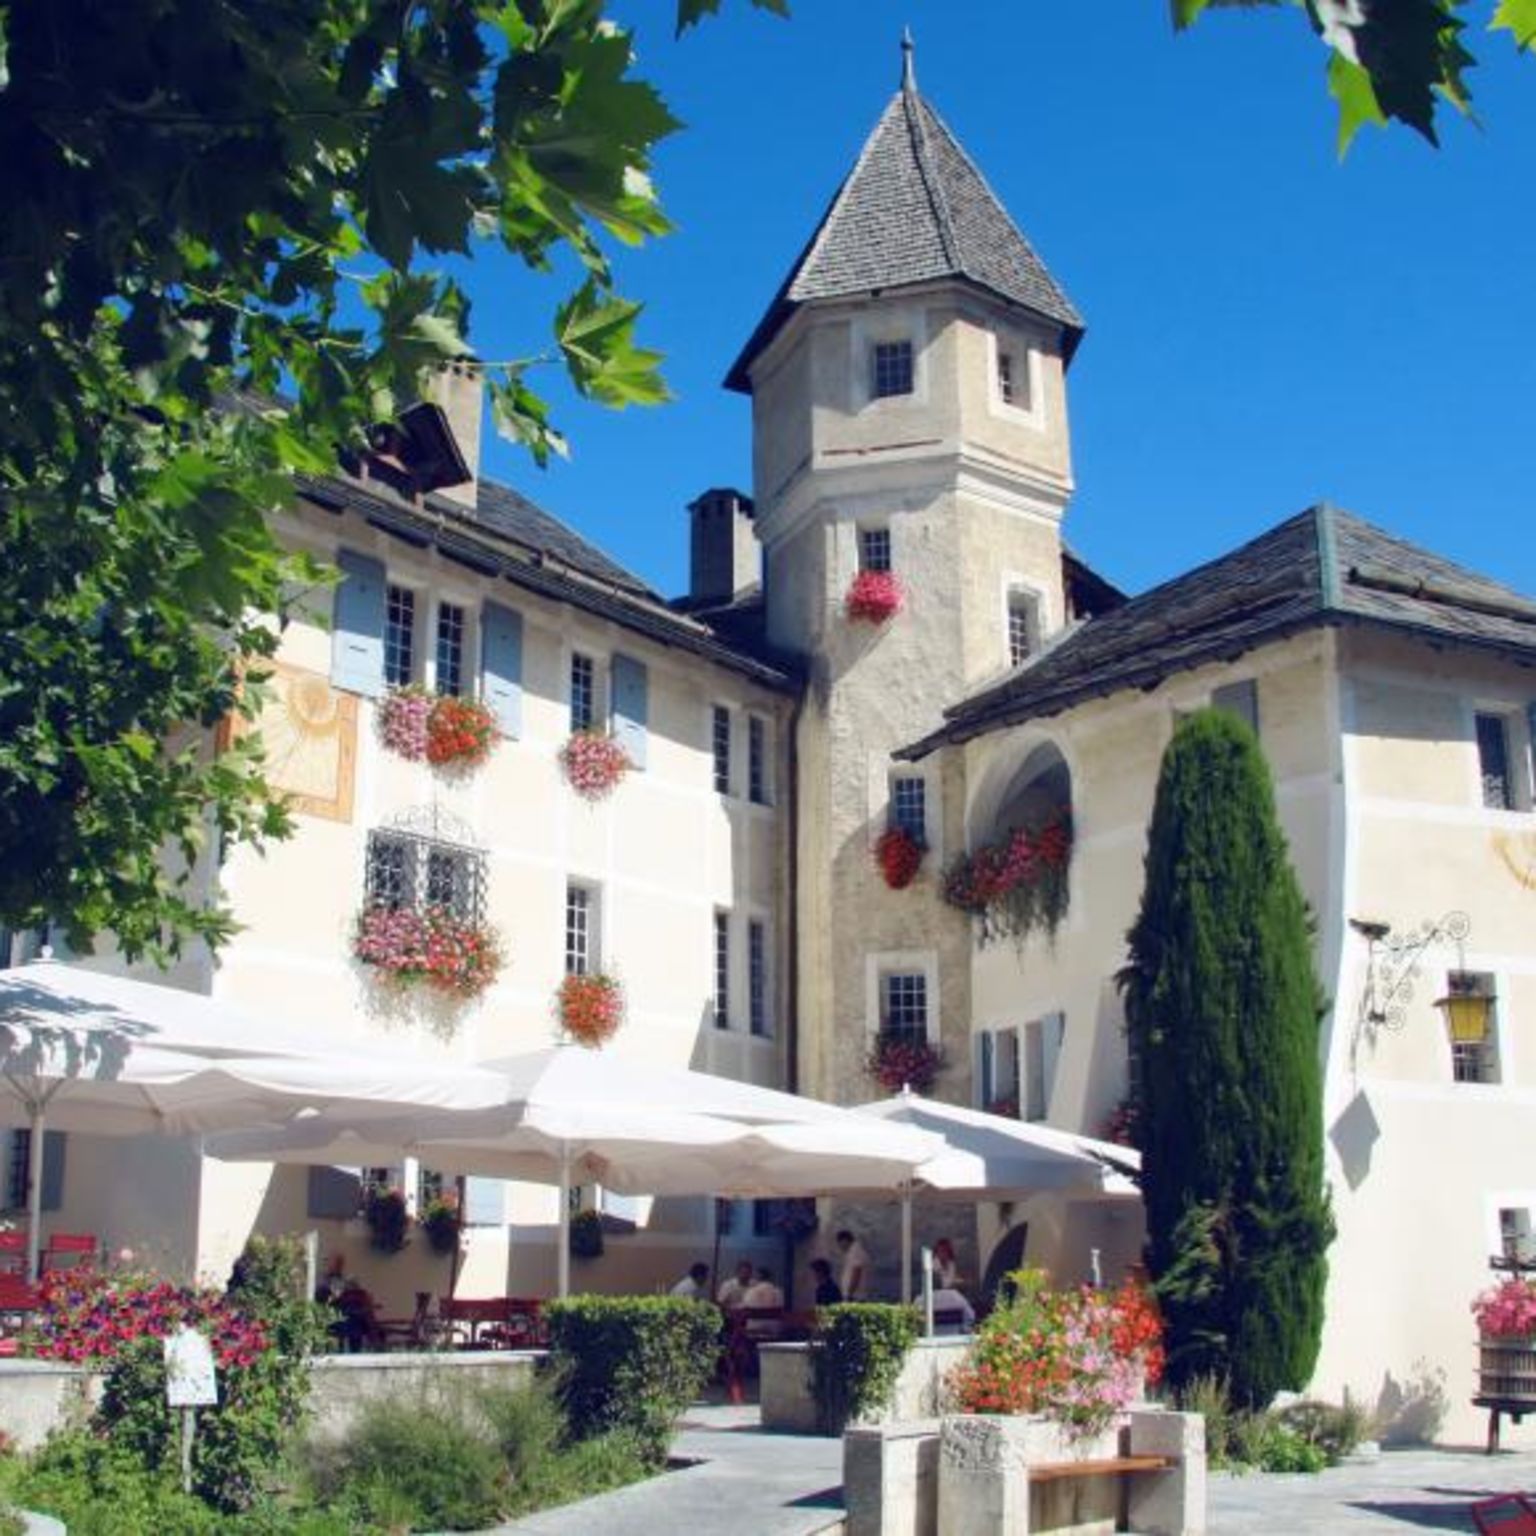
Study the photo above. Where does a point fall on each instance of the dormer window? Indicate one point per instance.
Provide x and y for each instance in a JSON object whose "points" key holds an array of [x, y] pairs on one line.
{"points": [[890, 369], [874, 549]]}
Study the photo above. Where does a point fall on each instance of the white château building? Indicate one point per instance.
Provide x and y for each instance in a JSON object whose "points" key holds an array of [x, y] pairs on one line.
{"points": [[909, 396]]}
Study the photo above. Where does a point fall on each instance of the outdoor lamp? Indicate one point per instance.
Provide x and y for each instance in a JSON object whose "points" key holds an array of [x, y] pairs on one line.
{"points": [[1466, 1016]]}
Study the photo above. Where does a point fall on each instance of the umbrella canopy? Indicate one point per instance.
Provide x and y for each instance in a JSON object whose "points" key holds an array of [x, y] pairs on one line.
{"points": [[568, 1114], [990, 1157], [103, 1054]]}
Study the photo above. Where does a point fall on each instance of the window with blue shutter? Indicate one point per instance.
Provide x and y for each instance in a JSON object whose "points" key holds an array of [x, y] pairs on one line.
{"points": [[485, 1202], [357, 637], [501, 666], [631, 707]]}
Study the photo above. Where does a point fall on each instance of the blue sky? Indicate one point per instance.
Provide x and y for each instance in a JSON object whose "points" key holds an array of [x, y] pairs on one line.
{"points": [[1266, 325]]}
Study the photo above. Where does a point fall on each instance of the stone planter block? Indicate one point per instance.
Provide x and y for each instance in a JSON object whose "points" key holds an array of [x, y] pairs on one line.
{"points": [[1171, 1503], [788, 1392], [891, 1479]]}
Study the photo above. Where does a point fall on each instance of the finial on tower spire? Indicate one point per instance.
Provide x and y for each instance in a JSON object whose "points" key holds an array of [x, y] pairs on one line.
{"points": [[908, 68]]}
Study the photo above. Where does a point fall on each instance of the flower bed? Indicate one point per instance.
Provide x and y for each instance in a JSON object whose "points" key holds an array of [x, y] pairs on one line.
{"points": [[900, 856], [874, 597], [590, 1008], [442, 730], [896, 1062], [594, 764], [434, 948], [1016, 886], [1080, 1357]]}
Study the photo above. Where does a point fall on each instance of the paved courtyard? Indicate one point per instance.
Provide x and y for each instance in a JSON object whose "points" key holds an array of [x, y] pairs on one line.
{"points": [[1397, 1495]]}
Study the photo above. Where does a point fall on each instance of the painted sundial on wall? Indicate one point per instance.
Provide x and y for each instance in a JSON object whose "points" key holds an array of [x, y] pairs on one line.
{"points": [[309, 732], [1517, 853]]}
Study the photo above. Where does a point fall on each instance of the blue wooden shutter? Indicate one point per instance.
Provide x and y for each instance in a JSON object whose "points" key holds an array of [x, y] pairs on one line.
{"points": [[485, 1202], [334, 1193], [983, 1069], [357, 639], [631, 707], [53, 1170], [1053, 1030], [501, 666]]}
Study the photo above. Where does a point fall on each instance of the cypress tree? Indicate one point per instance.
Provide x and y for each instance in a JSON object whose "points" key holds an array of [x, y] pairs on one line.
{"points": [[1222, 1013]]}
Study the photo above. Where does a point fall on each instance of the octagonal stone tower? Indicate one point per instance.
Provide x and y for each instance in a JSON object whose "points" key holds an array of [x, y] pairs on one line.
{"points": [[909, 413]]}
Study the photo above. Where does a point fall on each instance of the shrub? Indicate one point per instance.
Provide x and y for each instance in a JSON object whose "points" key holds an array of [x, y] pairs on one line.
{"points": [[631, 1364], [860, 1349], [424, 1465], [1336, 1429], [1267, 1444]]}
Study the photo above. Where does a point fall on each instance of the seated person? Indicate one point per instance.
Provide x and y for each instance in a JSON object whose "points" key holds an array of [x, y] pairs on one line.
{"points": [[946, 1272], [694, 1286], [735, 1287], [827, 1293], [946, 1299], [763, 1292]]}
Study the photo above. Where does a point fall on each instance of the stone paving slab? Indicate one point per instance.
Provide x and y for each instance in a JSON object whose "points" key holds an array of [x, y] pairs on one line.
{"points": [[1399, 1494], [746, 1482]]}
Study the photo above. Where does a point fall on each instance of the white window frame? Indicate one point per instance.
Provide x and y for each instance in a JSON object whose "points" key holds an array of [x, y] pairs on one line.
{"points": [[592, 929], [414, 670], [1016, 584], [593, 661], [468, 669], [887, 324], [882, 963], [1517, 753], [760, 978], [887, 355], [1028, 371], [722, 714], [899, 777], [721, 965], [759, 759], [874, 531]]}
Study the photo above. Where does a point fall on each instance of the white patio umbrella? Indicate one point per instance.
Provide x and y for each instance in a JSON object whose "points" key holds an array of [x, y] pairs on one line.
{"points": [[570, 1115], [103, 1054], [990, 1157]]}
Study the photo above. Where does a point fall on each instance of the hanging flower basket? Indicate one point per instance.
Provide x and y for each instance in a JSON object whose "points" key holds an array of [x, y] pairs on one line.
{"points": [[586, 1235], [438, 729], [594, 764], [442, 1222], [900, 856], [1018, 885], [898, 1062], [590, 1008], [435, 949], [384, 1211], [874, 597], [1123, 1123]]}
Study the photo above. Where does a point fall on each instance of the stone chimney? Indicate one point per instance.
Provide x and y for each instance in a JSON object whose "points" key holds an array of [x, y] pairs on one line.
{"points": [[459, 389], [724, 557]]}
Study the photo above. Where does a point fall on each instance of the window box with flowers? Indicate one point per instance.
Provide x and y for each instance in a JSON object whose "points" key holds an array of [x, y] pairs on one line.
{"points": [[1016, 886], [437, 948], [874, 597], [442, 1221], [899, 855], [594, 764], [590, 1008], [440, 729], [899, 1060]]}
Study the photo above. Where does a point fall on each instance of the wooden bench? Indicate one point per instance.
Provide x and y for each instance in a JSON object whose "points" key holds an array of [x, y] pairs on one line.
{"points": [[1054, 1471]]}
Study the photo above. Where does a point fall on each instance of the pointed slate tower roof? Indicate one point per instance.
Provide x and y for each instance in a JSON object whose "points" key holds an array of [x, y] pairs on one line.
{"points": [[913, 209]]}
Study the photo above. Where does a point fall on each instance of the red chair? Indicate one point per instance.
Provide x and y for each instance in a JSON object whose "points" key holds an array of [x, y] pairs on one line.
{"points": [[18, 1301], [13, 1253], [69, 1250], [1510, 1514]]}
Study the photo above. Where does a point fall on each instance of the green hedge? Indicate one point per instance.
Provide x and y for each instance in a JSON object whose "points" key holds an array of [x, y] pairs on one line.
{"points": [[631, 1363], [860, 1349]]}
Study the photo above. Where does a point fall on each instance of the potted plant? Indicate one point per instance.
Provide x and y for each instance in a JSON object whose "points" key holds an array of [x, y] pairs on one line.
{"points": [[1506, 1323], [586, 1235], [388, 1221], [897, 1061], [900, 856], [594, 764], [442, 1221], [590, 1008], [874, 597]]}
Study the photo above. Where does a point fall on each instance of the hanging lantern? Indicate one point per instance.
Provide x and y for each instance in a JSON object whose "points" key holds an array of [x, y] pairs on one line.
{"points": [[1466, 1016]]}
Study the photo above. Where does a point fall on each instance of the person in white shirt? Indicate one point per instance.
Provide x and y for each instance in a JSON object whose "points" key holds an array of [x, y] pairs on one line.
{"points": [[763, 1292], [694, 1286], [853, 1282], [730, 1294], [946, 1272]]}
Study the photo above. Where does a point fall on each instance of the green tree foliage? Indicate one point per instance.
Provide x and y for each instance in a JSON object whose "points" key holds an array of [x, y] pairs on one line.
{"points": [[216, 203], [1222, 1008], [1392, 59]]}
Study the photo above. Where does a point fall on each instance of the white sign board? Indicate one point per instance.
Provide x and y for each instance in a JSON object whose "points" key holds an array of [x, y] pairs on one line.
{"points": [[190, 1379]]}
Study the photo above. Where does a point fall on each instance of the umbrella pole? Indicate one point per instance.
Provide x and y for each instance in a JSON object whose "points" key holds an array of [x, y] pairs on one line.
{"points": [[563, 1236], [906, 1245], [35, 1194]]}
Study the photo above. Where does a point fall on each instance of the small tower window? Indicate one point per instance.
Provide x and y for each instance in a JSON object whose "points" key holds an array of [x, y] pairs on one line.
{"points": [[720, 741], [1493, 762], [874, 549], [909, 806], [1005, 377], [891, 369], [1023, 627]]}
